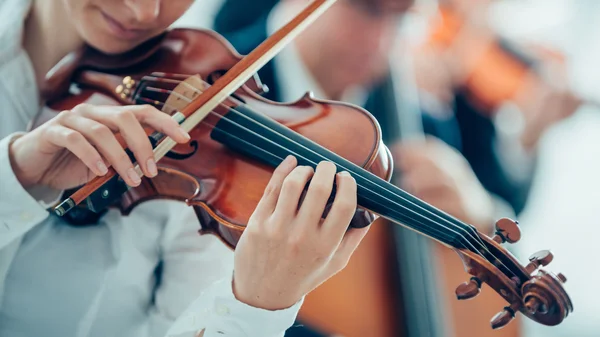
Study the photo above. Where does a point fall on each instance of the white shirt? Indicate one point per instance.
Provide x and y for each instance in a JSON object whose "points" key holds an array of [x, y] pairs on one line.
{"points": [[58, 280]]}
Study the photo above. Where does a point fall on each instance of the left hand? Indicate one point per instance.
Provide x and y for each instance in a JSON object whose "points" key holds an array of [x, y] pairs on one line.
{"points": [[286, 251], [439, 175]]}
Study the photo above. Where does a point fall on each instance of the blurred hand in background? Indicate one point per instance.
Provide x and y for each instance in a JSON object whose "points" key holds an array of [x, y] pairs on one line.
{"points": [[440, 175]]}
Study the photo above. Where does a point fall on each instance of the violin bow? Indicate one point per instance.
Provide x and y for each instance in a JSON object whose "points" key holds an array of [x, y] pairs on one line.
{"points": [[200, 107]]}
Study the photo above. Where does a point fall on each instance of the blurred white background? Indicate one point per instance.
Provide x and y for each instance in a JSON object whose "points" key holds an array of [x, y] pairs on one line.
{"points": [[564, 210]]}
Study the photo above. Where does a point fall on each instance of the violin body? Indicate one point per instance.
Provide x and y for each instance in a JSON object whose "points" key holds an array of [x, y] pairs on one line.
{"points": [[223, 185]]}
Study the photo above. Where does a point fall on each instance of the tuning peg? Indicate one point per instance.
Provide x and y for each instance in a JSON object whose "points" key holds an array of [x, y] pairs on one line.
{"points": [[541, 258], [507, 230], [504, 317], [469, 289], [562, 277]]}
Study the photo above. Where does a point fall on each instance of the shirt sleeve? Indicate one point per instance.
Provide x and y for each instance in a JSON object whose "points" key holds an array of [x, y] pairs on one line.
{"points": [[195, 288], [219, 314], [20, 209]]}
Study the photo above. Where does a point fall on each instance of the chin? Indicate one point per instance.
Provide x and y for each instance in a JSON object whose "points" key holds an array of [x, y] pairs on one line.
{"points": [[110, 45], [96, 35]]}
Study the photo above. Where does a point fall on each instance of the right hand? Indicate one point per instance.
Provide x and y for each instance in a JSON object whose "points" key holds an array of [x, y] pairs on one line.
{"points": [[76, 145], [286, 251]]}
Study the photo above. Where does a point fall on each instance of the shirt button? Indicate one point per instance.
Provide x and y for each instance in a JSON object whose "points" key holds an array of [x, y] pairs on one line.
{"points": [[222, 310]]}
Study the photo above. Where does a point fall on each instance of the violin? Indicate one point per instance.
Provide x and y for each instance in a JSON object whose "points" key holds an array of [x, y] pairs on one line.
{"points": [[238, 137], [491, 70]]}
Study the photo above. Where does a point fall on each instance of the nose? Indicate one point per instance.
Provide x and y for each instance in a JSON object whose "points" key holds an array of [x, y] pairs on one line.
{"points": [[145, 11]]}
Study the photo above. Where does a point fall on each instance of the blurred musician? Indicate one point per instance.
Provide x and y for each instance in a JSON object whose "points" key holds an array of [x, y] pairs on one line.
{"points": [[477, 69]]}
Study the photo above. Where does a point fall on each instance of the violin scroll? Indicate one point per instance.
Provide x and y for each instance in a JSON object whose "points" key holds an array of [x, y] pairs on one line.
{"points": [[545, 299], [539, 296]]}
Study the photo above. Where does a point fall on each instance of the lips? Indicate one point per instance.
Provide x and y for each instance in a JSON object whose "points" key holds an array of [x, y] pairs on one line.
{"points": [[119, 30]]}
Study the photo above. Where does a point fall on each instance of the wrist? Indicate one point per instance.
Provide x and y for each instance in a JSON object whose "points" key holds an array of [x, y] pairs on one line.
{"points": [[263, 301], [15, 147]]}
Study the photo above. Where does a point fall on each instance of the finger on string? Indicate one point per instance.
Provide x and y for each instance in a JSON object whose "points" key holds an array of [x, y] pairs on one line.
{"points": [[343, 207], [319, 192], [267, 203], [291, 190]]}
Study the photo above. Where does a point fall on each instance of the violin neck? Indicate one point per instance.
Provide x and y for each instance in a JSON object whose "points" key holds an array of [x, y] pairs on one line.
{"points": [[395, 204], [264, 139]]}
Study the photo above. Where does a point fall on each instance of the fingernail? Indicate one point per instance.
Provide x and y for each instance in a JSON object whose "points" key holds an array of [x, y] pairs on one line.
{"points": [[184, 133], [134, 176], [102, 168], [151, 165], [345, 174]]}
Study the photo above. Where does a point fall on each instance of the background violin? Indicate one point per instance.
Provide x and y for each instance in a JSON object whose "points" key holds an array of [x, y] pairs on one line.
{"points": [[491, 70], [223, 171]]}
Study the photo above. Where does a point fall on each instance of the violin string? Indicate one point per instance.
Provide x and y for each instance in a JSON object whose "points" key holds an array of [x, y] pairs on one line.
{"points": [[392, 210], [161, 77], [281, 159], [196, 90], [238, 112], [262, 150], [477, 240]]}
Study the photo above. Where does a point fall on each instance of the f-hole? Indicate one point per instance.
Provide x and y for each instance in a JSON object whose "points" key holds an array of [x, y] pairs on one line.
{"points": [[184, 156]]}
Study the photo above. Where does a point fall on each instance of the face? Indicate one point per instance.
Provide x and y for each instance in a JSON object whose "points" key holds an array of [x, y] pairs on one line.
{"points": [[116, 26], [355, 39]]}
